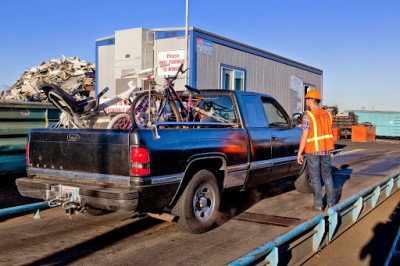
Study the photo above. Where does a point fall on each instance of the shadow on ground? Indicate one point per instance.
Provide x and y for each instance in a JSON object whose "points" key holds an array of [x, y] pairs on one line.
{"points": [[381, 243], [340, 177], [93, 245], [234, 203]]}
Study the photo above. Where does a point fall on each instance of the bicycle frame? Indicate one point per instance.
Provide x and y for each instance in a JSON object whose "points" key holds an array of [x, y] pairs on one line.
{"points": [[169, 94], [173, 95]]}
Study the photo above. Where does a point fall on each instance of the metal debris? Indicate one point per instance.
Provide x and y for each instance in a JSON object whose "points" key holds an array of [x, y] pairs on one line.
{"points": [[334, 110], [69, 73], [345, 120]]}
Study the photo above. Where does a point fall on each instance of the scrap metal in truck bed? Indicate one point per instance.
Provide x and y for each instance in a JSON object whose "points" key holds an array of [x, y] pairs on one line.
{"points": [[183, 172]]}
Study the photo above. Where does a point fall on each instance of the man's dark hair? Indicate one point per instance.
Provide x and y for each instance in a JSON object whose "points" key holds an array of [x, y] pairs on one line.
{"points": [[316, 100]]}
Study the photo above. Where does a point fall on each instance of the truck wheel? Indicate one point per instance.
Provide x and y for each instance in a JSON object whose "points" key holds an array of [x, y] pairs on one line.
{"points": [[198, 206], [303, 183]]}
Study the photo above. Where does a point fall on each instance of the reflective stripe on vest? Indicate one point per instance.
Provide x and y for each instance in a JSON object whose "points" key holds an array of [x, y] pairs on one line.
{"points": [[315, 139]]}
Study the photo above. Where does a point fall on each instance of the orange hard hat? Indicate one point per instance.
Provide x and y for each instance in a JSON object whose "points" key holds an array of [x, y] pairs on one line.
{"points": [[313, 94]]}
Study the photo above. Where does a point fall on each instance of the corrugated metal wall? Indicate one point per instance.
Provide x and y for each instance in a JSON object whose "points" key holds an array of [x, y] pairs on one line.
{"points": [[105, 69], [263, 75]]}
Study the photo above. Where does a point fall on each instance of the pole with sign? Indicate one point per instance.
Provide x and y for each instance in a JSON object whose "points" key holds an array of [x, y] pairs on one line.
{"points": [[187, 41]]}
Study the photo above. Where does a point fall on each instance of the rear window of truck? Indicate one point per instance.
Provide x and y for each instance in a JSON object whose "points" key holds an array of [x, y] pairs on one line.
{"points": [[219, 106]]}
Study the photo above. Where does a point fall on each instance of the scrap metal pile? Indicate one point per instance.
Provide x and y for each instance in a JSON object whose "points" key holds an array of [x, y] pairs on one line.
{"points": [[345, 120], [334, 110], [70, 74]]}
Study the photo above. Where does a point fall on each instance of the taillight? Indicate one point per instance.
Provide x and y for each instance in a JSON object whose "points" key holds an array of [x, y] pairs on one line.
{"points": [[27, 153], [140, 161]]}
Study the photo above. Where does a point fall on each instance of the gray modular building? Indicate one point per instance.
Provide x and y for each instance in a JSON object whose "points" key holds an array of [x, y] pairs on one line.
{"points": [[214, 62]]}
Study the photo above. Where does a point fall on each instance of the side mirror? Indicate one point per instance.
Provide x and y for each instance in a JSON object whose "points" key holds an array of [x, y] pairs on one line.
{"points": [[296, 119]]}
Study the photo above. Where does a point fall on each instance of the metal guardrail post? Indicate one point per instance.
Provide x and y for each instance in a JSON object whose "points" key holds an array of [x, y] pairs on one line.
{"points": [[36, 214], [272, 258], [348, 212], [303, 241], [396, 181], [370, 198], [317, 237], [377, 193], [388, 187]]}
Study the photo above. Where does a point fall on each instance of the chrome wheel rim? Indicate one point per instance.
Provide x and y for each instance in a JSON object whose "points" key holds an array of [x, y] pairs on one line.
{"points": [[204, 202]]}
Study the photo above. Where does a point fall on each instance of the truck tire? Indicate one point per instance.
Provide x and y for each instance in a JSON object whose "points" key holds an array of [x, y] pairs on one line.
{"points": [[303, 183], [198, 206]]}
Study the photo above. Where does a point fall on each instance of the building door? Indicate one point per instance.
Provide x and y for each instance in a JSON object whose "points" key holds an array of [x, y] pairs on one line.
{"points": [[307, 88]]}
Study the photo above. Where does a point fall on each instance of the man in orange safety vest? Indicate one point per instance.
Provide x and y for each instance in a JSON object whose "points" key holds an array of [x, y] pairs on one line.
{"points": [[317, 143]]}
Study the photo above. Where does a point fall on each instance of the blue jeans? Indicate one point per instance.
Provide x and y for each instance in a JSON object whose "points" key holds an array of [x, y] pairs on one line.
{"points": [[320, 166]]}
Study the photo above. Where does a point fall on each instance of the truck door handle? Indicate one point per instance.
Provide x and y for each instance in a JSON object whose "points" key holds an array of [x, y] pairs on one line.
{"points": [[274, 137], [73, 137]]}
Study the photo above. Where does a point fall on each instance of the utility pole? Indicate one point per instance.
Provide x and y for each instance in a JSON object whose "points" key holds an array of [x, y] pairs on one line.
{"points": [[187, 42]]}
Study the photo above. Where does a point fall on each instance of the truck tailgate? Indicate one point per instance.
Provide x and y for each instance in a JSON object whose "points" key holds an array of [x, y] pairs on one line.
{"points": [[89, 151]]}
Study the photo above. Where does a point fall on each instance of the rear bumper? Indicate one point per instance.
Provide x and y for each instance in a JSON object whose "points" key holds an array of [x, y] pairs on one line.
{"points": [[96, 197]]}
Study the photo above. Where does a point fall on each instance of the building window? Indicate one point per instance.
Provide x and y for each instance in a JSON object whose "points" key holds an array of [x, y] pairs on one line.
{"points": [[227, 78], [232, 78]]}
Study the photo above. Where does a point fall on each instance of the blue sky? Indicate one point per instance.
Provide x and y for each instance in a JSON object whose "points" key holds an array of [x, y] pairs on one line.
{"points": [[355, 43]]}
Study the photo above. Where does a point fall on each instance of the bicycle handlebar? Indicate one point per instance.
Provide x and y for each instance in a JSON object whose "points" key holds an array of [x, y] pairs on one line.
{"points": [[97, 104], [103, 92], [180, 70]]}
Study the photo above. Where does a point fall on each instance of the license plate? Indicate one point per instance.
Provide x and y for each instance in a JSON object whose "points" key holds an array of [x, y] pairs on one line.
{"points": [[70, 193]]}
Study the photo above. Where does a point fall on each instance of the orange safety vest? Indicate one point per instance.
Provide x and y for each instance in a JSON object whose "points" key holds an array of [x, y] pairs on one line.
{"points": [[320, 137]]}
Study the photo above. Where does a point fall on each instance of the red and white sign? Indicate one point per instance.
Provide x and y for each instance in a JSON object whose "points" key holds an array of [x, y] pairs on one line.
{"points": [[170, 61], [120, 107]]}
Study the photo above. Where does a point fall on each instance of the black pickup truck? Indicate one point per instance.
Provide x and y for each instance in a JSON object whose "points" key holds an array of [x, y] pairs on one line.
{"points": [[180, 169]]}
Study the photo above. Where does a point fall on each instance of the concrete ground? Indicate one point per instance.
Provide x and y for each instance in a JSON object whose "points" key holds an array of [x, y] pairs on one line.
{"points": [[119, 238]]}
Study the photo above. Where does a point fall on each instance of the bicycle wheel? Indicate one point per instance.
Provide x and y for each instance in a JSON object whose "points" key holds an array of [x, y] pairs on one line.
{"points": [[159, 110], [120, 121]]}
